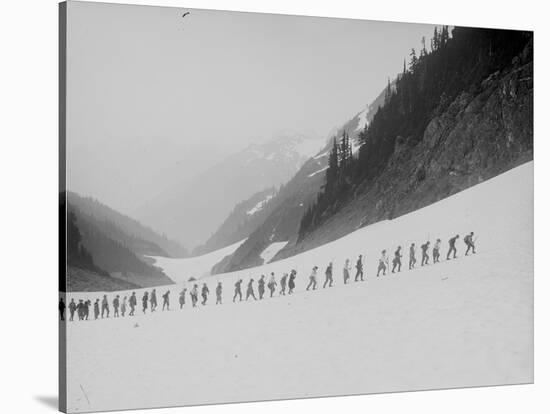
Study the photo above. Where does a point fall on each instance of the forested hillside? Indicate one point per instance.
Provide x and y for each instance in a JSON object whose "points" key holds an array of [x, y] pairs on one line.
{"points": [[461, 112]]}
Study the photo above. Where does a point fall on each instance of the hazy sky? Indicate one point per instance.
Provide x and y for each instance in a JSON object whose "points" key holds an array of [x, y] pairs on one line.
{"points": [[154, 99]]}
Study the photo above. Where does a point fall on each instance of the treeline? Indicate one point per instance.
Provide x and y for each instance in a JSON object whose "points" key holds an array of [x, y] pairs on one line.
{"points": [[428, 84]]}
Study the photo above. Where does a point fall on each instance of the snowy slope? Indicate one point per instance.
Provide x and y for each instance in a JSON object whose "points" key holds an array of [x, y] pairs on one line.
{"points": [[464, 322]]}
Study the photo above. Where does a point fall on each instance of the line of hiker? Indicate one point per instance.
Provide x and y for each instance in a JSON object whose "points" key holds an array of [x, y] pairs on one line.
{"points": [[287, 284]]}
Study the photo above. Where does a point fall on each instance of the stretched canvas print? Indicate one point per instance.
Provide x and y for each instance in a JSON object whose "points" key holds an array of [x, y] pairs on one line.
{"points": [[261, 207]]}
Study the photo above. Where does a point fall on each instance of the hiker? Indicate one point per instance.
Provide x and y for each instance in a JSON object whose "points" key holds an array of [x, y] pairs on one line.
{"points": [[261, 287], [397, 260], [346, 270], [359, 267], [72, 308], [123, 306], [104, 306], [166, 300], [116, 304], [61, 308], [250, 290], [238, 291], [96, 309], [291, 282], [182, 297], [425, 257], [435, 252], [195, 295], [382, 264], [272, 285], [80, 309], [133, 304], [204, 294], [452, 247], [86, 309], [469, 240], [283, 284], [412, 256], [313, 279], [144, 301], [328, 276], [219, 294], [153, 300]]}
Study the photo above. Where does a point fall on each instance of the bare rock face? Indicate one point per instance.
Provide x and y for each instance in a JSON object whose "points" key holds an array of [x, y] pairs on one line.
{"points": [[483, 133]]}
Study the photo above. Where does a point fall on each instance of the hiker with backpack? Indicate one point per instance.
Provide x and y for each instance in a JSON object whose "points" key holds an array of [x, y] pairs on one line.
{"points": [[72, 309], [123, 306], [96, 309], [116, 304], [283, 284], [469, 241], [397, 260], [166, 300], [144, 301], [261, 287], [313, 279], [238, 291], [382, 264], [425, 257], [104, 306], [328, 276], [291, 282], [452, 247], [133, 304], [219, 294], [272, 284], [195, 295], [204, 292], [359, 268], [250, 290], [153, 300]]}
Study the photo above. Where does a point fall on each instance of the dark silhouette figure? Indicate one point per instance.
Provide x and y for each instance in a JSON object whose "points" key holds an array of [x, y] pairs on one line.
{"points": [[425, 257], [412, 256], [116, 305], [154, 300], [452, 247], [469, 241], [204, 293], [291, 282], [194, 295], [328, 276], [145, 301], [219, 294], [61, 308], [123, 306], [86, 309], [250, 290], [272, 285], [397, 260], [312, 279], [166, 300], [80, 309], [283, 284], [238, 291], [96, 309], [104, 307], [359, 268], [133, 303], [72, 309], [261, 287]]}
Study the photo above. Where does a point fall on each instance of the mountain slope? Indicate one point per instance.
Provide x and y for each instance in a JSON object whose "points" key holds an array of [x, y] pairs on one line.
{"points": [[286, 209], [194, 211], [102, 255], [465, 322], [485, 130]]}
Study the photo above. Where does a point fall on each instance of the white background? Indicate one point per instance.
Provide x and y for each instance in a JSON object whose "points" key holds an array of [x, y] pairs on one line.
{"points": [[28, 204]]}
